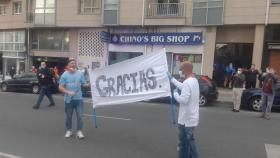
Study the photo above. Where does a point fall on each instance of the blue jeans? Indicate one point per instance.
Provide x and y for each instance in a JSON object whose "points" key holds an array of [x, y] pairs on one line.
{"points": [[77, 106], [45, 90], [186, 142], [267, 103]]}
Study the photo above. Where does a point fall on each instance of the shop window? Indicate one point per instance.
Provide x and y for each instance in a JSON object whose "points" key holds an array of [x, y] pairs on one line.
{"points": [[17, 8], [50, 40], [2, 9], [196, 60], [90, 6], [208, 12], [116, 57]]}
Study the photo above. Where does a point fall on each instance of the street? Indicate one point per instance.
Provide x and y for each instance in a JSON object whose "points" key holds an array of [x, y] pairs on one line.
{"points": [[139, 130]]}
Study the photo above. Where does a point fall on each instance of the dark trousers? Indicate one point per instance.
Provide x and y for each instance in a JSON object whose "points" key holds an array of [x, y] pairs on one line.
{"points": [[251, 84], [45, 90]]}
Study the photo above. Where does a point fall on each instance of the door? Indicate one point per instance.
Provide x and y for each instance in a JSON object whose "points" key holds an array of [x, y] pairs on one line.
{"points": [[274, 60]]}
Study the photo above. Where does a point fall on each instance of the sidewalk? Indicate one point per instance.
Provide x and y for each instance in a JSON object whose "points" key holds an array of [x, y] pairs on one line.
{"points": [[225, 95]]}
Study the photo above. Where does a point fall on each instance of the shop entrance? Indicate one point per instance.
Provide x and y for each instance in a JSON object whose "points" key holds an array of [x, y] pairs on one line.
{"points": [[239, 54]]}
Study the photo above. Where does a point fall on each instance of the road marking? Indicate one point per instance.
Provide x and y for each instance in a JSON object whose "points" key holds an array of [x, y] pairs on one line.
{"points": [[8, 155], [109, 117], [273, 151]]}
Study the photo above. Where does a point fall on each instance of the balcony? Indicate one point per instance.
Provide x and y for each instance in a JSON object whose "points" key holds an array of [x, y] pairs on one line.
{"points": [[165, 10]]}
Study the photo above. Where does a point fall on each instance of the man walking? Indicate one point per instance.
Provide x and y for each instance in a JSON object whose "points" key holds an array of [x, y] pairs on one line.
{"points": [[188, 111], [70, 84], [269, 85], [45, 79], [238, 87]]}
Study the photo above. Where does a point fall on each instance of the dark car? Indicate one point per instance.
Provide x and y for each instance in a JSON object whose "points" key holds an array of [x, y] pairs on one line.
{"points": [[208, 91], [251, 99], [24, 82]]}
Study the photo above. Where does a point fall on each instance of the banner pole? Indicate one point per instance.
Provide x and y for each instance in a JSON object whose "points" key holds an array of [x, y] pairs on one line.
{"points": [[172, 110], [94, 120]]}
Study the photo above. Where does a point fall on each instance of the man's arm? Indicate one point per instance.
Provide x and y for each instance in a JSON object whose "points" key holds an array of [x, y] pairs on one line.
{"points": [[185, 94], [178, 84], [65, 91]]}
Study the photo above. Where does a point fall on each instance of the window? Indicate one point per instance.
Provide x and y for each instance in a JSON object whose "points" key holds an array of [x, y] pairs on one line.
{"points": [[111, 12], [17, 7], [208, 12], [275, 1], [196, 60], [12, 41], [2, 9], [116, 57], [57, 40], [45, 12], [90, 6]]}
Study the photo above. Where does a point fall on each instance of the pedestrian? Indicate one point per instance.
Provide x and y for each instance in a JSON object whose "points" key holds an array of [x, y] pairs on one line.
{"points": [[268, 92], [12, 72], [238, 87], [188, 111], [262, 75], [45, 79], [251, 78], [70, 84], [33, 69], [229, 71]]}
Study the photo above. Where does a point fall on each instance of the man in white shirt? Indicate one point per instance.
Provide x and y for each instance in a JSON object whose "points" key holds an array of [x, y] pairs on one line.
{"points": [[188, 112]]}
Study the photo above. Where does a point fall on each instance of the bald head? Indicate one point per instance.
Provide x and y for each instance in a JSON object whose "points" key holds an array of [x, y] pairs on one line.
{"points": [[187, 68]]}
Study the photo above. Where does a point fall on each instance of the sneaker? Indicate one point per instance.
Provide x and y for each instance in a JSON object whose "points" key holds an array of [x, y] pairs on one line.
{"points": [[52, 104], [267, 117], [68, 134], [80, 135]]}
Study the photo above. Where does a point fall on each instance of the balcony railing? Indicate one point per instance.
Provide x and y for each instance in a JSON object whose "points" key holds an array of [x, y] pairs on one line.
{"points": [[164, 10]]}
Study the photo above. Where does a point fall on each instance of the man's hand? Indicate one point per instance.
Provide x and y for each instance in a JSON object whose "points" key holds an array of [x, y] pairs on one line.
{"points": [[175, 91], [169, 75]]}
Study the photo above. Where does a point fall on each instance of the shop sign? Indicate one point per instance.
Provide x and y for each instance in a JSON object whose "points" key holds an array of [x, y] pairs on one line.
{"points": [[183, 38]]}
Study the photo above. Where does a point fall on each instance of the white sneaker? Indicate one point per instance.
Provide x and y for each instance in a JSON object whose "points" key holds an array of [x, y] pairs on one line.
{"points": [[80, 135], [68, 134]]}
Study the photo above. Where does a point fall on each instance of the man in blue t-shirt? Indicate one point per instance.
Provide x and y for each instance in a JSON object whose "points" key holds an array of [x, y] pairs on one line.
{"points": [[70, 84]]}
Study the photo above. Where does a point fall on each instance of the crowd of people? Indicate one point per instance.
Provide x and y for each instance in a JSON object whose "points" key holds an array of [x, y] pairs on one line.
{"points": [[186, 94]]}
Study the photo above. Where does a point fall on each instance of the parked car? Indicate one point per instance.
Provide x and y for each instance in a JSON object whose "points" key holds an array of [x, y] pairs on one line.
{"points": [[24, 82], [252, 99], [208, 91]]}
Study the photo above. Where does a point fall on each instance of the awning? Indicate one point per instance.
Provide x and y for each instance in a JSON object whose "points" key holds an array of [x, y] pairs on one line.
{"points": [[15, 55]]}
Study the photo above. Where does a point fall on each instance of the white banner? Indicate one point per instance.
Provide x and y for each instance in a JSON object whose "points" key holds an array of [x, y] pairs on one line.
{"points": [[133, 80]]}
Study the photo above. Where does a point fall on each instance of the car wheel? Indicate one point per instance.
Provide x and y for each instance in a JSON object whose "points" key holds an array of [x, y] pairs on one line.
{"points": [[4, 87], [256, 104], [202, 100], [35, 89]]}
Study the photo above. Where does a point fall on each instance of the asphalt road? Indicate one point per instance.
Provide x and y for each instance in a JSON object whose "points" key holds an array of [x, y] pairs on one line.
{"points": [[140, 130]]}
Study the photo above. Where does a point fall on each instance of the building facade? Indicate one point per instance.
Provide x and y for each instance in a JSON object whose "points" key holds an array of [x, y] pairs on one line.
{"points": [[242, 32]]}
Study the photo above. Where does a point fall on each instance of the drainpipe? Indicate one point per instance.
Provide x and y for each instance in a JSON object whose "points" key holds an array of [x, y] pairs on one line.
{"points": [[267, 12], [143, 13]]}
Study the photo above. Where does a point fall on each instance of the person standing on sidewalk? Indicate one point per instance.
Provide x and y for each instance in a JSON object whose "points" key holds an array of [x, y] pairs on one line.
{"points": [[70, 84], [45, 79], [251, 78], [268, 92], [238, 87], [188, 112]]}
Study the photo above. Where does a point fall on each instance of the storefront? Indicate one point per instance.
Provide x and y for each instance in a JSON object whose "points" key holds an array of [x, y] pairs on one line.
{"points": [[181, 44], [12, 53]]}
